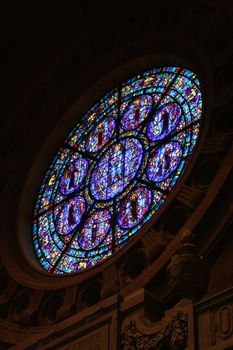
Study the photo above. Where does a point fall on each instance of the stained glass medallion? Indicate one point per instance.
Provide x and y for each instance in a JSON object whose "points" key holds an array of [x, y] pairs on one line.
{"points": [[116, 169]]}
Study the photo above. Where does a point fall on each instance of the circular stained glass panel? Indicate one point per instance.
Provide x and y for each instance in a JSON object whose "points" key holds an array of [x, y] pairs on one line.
{"points": [[116, 169]]}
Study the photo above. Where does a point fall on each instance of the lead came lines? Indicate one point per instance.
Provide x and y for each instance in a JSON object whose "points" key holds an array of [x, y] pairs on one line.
{"points": [[118, 180]]}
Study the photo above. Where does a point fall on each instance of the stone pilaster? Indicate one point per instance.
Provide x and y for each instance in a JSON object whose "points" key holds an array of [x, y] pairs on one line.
{"points": [[69, 303], [110, 281], [32, 308]]}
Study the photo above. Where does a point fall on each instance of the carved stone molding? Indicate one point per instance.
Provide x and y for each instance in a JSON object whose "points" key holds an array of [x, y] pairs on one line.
{"points": [[97, 328], [68, 304], [32, 308], [190, 195], [49, 307], [221, 321], [19, 304], [154, 243], [173, 336], [80, 64], [215, 321], [110, 283], [183, 268]]}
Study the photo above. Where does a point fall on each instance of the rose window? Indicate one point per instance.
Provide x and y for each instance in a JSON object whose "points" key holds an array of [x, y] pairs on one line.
{"points": [[116, 169]]}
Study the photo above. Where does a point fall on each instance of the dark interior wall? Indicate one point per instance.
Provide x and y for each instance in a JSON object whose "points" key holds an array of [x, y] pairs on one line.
{"points": [[33, 35]]}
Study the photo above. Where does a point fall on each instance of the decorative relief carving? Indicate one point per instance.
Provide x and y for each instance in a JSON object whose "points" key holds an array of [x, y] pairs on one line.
{"points": [[183, 268], [32, 308], [49, 307], [19, 304], [224, 329], [154, 243], [68, 304], [94, 341], [221, 322], [190, 195], [110, 281], [173, 336]]}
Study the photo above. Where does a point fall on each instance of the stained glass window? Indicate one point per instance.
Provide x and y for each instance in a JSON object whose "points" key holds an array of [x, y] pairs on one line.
{"points": [[116, 169]]}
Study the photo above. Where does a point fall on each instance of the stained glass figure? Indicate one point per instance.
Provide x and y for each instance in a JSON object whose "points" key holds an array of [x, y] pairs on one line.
{"points": [[100, 135], [116, 169], [95, 229], [137, 112], [164, 121], [164, 161], [70, 215], [134, 207], [73, 176]]}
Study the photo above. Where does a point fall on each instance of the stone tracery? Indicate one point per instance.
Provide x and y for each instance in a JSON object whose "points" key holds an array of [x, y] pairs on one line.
{"points": [[116, 168]]}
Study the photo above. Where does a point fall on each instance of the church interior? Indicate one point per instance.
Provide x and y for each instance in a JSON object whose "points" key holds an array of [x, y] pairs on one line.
{"points": [[171, 286]]}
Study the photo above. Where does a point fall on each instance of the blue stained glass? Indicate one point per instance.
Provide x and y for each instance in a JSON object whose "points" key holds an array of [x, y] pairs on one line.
{"points": [[164, 121], [164, 161], [70, 215], [137, 112], [116, 169], [73, 176], [95, 229], [101, 134], [134, 207]]}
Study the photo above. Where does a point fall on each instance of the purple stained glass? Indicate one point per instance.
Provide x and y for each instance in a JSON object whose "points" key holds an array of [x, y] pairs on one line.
{"points": [[73, 176], [134, 207], [95, 229], [164, 161], [164, 121], [46, 233], [116, 169], [100, 135], [136, 112], [70, 215]]}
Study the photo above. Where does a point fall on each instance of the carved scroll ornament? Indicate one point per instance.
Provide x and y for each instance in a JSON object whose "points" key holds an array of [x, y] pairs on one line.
{"points": [[172, 337]]}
